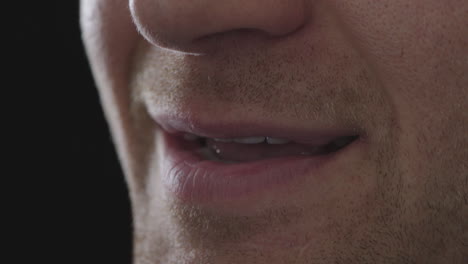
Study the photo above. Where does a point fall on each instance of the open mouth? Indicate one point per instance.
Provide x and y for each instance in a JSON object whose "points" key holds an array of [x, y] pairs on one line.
{"points": [[251, 149], [211, 170]]}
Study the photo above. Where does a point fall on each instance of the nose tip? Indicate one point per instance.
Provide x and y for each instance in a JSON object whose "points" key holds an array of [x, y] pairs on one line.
{"points": [[179, 24]]}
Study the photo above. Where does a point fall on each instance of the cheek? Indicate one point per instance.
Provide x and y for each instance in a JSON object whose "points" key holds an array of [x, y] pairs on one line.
{"points": [[416, 48], [110, 37], [418, 51]]}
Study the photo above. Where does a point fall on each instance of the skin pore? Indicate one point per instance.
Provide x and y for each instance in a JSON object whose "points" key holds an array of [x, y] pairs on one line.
{"points": [[393, 70]]}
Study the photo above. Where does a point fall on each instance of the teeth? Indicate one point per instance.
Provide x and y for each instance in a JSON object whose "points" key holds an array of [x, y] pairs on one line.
{"points": [[254, 140], [245, 140], [271, 140]]}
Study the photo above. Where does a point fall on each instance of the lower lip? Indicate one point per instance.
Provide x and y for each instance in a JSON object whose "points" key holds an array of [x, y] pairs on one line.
{"points": [[193, 179]]}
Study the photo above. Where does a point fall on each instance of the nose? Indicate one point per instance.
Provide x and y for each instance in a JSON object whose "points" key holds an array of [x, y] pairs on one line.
{"points": [[179, 24]]}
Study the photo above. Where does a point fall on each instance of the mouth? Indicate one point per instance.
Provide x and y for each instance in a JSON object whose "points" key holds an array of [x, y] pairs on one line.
{"points": [[232, 163], [257, 148]]}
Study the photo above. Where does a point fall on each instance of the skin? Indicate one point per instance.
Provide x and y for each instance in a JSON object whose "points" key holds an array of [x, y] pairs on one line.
{"points": [[394, 70]]}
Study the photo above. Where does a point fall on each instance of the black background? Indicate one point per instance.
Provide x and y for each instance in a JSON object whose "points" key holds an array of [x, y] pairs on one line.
{"points": [[69, 202]]}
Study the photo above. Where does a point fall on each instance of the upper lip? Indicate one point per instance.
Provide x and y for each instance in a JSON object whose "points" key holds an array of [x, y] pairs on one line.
{"points": [[245, 128]]}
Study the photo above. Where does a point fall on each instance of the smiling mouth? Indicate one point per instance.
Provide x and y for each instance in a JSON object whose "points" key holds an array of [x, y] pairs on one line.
{"points": [[251, 149], [212, 164]]}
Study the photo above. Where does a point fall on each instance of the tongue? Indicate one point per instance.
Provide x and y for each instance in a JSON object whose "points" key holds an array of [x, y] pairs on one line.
{"points": [[252, 152]]}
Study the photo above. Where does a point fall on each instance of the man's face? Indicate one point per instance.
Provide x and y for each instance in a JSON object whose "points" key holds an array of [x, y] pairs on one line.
{"points": [[288, 131]]}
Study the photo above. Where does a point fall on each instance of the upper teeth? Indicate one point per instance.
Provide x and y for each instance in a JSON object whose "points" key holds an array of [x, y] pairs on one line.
{"points": [[254, 140], [244, 140]]}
